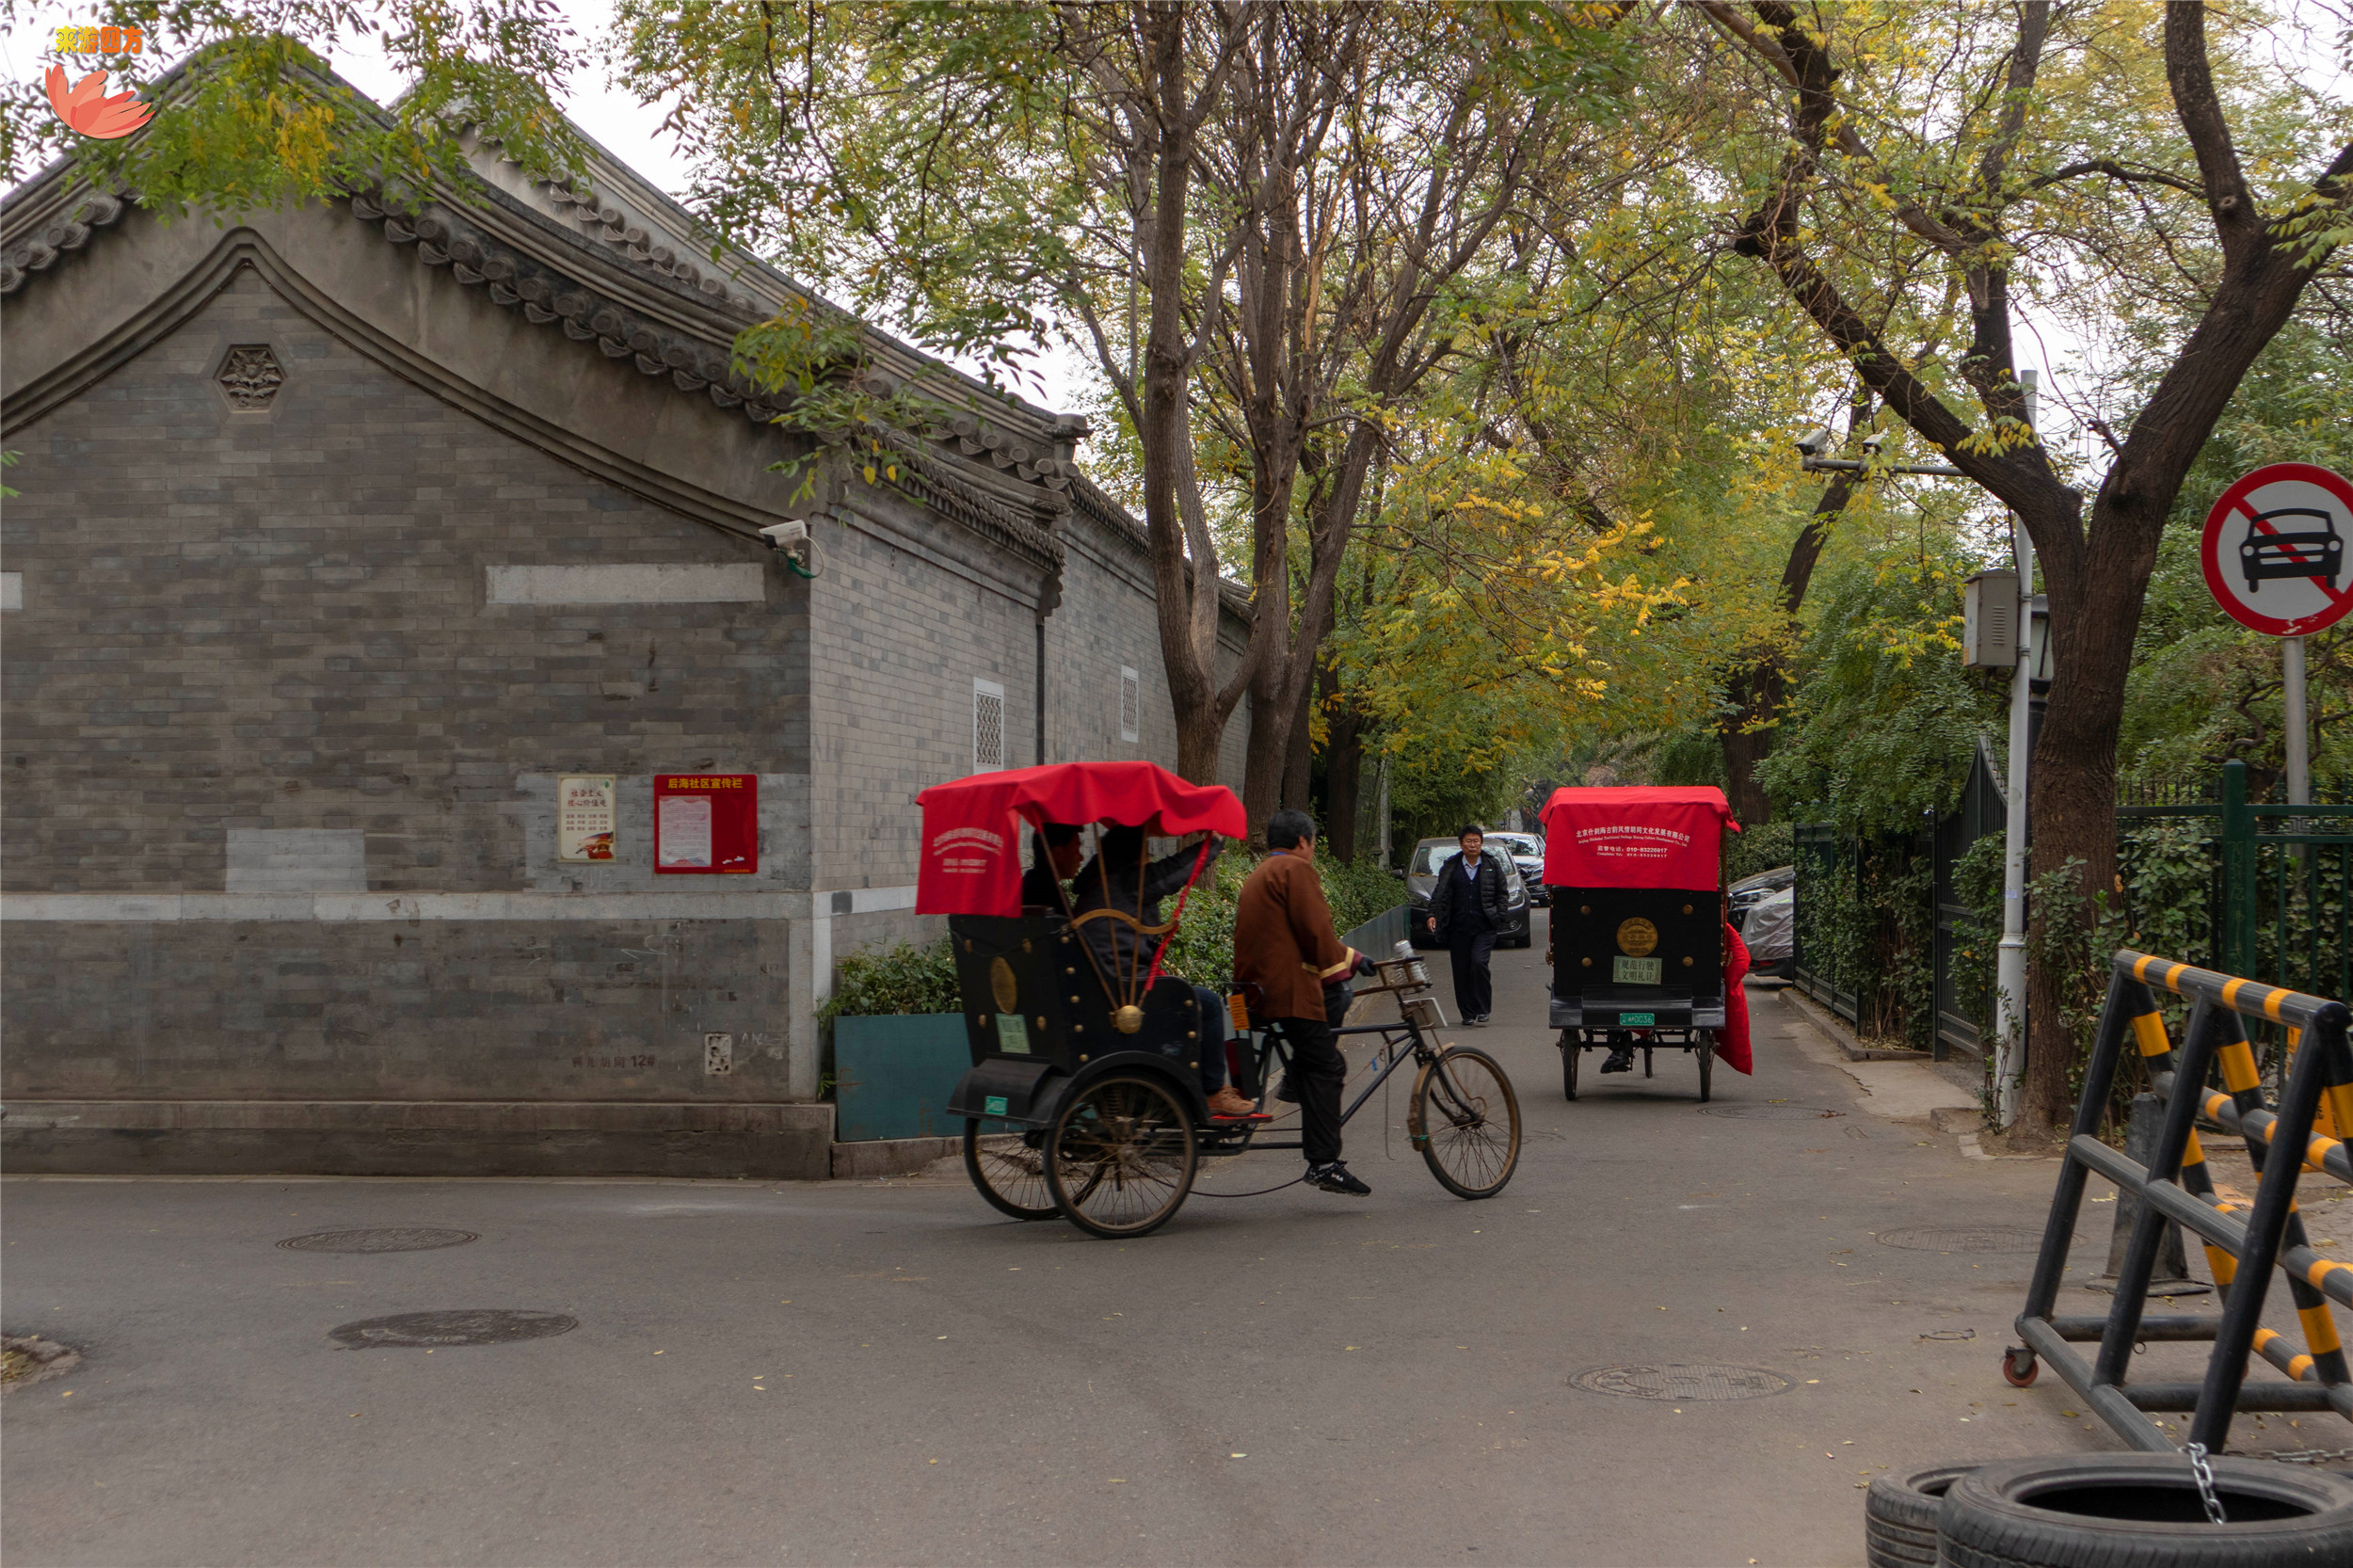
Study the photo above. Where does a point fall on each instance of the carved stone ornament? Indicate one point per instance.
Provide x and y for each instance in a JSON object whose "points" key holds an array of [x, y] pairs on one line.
{"points": [[251, 376]]}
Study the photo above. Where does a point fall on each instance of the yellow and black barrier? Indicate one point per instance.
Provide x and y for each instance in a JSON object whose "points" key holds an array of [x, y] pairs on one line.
{"points": [[2244, 1241]]}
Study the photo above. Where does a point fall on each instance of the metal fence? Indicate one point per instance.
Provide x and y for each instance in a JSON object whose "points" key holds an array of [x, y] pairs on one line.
{"points": [[2275, 902]]}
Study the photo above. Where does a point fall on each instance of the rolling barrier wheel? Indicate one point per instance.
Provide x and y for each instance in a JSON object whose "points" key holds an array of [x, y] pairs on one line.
{"points": [[2094, 1510], [1466, 1119], [1012, 1179], [2019, 1367], [1121, 1158]]}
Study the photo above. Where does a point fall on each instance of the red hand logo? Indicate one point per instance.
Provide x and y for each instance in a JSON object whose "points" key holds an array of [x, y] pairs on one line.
{"points": [[90, 111]]}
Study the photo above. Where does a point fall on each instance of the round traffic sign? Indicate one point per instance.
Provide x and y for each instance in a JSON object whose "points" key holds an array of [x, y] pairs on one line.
{"points": [[2276, 552]]}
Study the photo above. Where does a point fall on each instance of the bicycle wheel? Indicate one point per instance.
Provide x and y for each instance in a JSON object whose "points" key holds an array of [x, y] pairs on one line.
{"points": [[1467, 1122], [1570, 1051], [1707, 1067], [1121, 1158], [1012, 1178]]}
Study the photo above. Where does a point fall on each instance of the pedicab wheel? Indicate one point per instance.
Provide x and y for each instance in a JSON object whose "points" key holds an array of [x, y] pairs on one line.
{"points": [[1011, 1180], [1467, 1121], [1570, 1051], [2019, 1367], [1708, 1067], [1121, 1158]]}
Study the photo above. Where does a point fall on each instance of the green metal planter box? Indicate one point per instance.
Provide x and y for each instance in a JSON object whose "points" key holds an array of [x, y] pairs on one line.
{"points": [[893, 1073]]}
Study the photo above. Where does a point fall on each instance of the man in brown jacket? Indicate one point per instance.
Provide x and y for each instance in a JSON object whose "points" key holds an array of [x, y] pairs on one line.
{"points": [[1285, 952]]}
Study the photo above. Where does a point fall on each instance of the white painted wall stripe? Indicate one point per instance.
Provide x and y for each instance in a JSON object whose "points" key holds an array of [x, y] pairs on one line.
{"points": [[731, 583]]}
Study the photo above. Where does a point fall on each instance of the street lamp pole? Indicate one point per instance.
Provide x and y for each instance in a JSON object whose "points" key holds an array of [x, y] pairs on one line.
{"points": [[2010, 975]]}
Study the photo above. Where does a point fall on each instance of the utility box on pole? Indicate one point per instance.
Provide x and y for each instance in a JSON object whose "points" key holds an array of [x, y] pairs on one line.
{"points": [[1989, 626]]}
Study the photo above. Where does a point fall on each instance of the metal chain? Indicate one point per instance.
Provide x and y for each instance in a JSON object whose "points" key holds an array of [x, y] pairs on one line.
{"points": [[2204, 1474], [2304, 1456]]}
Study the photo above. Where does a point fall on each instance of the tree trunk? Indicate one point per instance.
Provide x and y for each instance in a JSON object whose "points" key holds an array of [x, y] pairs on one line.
{"points": [[1758, 688], [1299, 767]]}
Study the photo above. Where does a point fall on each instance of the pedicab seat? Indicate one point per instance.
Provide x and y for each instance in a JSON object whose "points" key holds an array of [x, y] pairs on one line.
{"points": [[1039, 1021]]}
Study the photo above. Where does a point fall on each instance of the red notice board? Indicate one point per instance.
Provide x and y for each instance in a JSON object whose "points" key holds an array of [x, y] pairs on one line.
{"points": [[706, 824]]}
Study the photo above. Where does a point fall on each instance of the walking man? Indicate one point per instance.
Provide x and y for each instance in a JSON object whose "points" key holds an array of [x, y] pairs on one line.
{"points": [[1466, 909], [1285, 952]]}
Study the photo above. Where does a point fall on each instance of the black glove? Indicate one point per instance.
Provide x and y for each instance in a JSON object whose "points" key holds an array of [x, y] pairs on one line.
{"points": [[1366, 967]]}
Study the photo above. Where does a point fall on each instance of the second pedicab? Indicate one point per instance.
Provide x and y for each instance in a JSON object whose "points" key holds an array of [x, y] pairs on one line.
{"points": [[1642, 959], [1084, 1096]]}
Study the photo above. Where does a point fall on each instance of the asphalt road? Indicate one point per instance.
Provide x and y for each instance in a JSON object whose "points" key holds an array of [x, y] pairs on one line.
{"points": [[838, 1373]]}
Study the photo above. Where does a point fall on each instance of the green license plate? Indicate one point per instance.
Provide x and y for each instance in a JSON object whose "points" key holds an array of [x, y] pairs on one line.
{"points": [[994, 1105], [1628, 1021], [1634, 972], [1013, 1034]]}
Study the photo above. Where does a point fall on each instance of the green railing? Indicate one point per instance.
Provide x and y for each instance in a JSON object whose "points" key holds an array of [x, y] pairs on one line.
{"points": [[2281, 904]]}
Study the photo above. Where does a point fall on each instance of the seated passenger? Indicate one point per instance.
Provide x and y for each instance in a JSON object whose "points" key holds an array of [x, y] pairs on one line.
{"points": [[1055, 853], [1118, 878]]}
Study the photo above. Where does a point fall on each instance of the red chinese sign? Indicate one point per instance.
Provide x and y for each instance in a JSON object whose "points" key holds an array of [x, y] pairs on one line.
{"points": [[706, 823]]}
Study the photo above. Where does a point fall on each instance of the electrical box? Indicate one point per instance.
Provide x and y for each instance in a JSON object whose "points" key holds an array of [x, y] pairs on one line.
{"points": [[1989, 631]]}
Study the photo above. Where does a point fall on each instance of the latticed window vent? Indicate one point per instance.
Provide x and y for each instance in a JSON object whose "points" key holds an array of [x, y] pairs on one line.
{"points": [[988, 725], [1131, 704]]}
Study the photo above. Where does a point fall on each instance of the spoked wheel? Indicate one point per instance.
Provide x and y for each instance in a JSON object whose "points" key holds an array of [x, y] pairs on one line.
{"points": [[1707, 1067], [1570, 1050], [1122, 1158], [1011, 1175], [1467, 1121]]}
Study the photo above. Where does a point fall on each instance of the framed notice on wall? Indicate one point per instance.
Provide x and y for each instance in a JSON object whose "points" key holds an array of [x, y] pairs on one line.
{"points": [[706, 823], [584, 825]]}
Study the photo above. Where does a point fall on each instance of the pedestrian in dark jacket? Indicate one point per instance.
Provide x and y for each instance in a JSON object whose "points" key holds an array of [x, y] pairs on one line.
{"points": [[1466, 909]]}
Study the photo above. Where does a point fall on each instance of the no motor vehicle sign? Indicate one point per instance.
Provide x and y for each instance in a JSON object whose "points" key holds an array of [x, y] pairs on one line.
{"points": [[2274, 550]]}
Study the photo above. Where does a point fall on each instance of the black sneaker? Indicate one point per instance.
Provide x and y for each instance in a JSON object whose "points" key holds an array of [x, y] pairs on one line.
{"points": [[1335, 1177], [1620, 1061]]}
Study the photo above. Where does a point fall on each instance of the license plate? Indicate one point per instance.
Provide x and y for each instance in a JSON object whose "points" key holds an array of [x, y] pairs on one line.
{"points": [[1634, 972], [994, 1105], [1629, 1020], [1013, 1034]]}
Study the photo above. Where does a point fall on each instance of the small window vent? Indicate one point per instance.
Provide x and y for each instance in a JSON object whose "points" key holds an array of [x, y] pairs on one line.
{"points": [[1131, 704], [988, 725]]}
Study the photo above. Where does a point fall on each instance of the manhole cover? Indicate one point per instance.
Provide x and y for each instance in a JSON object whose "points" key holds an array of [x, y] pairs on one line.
{"points": [[385, 1239], [436, 1330], [1975, 1238], [1681, 1383], [1771, 1113]]}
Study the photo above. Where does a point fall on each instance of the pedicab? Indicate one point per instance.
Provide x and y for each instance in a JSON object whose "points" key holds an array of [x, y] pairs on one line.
{"points": [[1085, 1098], [1642, 958]]}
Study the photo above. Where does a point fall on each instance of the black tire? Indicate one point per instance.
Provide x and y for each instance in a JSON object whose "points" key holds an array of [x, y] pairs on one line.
{"points": [[1570, 1051], [1708, 1067], [1466, 1119], [1899, 1516], [1121, 1158], [2097, 1510], [1013, 1181]]}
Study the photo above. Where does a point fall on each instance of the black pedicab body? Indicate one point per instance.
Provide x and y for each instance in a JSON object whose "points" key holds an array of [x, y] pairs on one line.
{"points": [[1083, 1098], [1638, 959]]}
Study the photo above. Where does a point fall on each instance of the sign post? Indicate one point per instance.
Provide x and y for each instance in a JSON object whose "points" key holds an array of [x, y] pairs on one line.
{"points": [[2275, 559]]}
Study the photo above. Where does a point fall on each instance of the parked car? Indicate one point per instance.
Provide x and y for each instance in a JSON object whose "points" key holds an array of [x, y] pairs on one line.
{"points": [[1527, 850], [1745, 892], [1772, 935], [1421, 876]]}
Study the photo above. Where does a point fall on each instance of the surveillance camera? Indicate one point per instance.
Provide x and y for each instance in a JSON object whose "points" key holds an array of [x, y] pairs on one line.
{"points": [[1814, 441], [789, 534]]}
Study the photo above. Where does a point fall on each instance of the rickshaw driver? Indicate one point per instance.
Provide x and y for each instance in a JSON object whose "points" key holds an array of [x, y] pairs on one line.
{"points": [[1286, 950]]}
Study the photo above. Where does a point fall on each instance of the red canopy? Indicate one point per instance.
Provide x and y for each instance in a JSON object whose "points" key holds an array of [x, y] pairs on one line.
{"points": [[1634, 837], [973, 826]]}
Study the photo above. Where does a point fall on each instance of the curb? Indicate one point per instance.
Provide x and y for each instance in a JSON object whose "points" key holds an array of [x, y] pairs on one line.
{"points": [[1833, 1029]]}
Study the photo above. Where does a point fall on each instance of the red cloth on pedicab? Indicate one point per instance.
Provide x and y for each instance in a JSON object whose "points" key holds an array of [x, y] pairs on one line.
{"points": [[1731, 1041]]}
